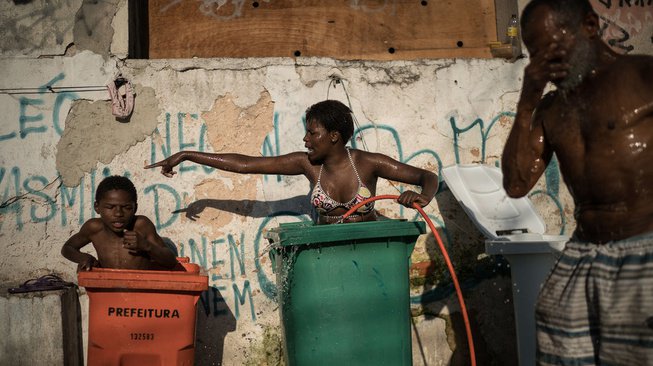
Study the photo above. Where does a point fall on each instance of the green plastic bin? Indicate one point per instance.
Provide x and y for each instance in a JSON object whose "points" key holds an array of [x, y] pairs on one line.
{"points": [[343, 291]]}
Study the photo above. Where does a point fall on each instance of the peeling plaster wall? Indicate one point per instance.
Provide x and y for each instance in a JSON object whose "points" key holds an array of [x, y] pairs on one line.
{"points": [[93, 134], [56, 147]]}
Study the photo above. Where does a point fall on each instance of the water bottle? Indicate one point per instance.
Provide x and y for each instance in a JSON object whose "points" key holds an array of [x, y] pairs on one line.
{"points": [[513, 35]]}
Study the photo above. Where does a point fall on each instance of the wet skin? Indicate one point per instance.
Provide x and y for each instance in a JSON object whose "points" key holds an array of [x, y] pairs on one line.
{"points": [[599, 123], [338, 179], [121, 238]]}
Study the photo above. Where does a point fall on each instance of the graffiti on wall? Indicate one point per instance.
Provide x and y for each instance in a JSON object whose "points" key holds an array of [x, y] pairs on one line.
{"points": [[231, 9], [33, 28], [551, 174], [224, 257], [216, 9], [28, 197], [625, 3], [236, 278], [31, 119], [623, 20]]}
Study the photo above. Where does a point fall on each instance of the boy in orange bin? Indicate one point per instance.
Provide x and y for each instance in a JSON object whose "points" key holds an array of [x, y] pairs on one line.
{"points": [[121, 238]]}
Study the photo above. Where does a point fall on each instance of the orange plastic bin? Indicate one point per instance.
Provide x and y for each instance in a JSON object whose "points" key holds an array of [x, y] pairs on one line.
{"points": [[142, 317]]}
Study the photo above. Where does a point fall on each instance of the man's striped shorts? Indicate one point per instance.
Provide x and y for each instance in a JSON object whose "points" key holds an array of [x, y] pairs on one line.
{"points": [[596, 307]]}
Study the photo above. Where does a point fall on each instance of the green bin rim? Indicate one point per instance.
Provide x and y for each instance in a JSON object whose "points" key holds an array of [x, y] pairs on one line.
{"points": [[300, 233]]}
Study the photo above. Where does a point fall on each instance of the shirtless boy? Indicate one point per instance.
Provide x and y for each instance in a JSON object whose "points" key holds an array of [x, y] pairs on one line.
{"points": [[121, 238]]}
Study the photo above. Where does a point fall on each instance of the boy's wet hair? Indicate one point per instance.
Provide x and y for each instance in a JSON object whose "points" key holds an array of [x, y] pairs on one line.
{"points": [[116, 182], [571, 12], [334, 116]]}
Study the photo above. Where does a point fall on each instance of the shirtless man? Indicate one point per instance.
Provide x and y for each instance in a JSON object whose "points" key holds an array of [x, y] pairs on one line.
{"points": [[121, 238], [597, 304]]}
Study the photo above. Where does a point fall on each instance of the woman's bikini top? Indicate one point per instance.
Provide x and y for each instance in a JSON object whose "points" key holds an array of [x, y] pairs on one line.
{"points": [[324, 204]]}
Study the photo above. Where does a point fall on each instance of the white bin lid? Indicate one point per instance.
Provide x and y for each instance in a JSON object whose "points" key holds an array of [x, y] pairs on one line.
{"points": [[479, 189]]}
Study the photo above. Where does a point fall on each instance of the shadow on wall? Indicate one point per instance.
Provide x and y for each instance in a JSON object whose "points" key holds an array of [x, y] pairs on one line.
{"points": [[485, 283], [214, 318], [212, 328], [213, 321], [250, 208]]}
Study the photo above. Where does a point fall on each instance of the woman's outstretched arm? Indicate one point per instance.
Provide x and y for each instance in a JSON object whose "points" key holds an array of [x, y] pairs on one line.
{"points": [[290, 164]]}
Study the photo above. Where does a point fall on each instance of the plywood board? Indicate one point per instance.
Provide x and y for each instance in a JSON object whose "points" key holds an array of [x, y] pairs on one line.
{"points": [[347, 30]]}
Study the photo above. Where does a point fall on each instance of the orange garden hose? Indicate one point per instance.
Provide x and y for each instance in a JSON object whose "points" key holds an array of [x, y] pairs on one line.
{"points": [[463, 308]]}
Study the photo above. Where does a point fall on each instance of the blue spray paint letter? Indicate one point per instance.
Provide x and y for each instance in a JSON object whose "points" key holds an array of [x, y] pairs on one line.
{"points": [[155, 188]]}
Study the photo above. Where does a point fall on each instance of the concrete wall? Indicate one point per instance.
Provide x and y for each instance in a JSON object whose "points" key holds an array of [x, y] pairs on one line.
{"points": [[41, 328], [57, 146]]}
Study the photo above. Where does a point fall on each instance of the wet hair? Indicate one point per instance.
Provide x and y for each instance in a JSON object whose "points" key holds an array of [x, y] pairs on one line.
{"points": [[334, 116], [571, 12], [116, 182]]}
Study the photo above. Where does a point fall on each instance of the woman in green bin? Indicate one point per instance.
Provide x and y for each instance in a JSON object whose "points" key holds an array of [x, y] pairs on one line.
{"points": [[341, 177]]}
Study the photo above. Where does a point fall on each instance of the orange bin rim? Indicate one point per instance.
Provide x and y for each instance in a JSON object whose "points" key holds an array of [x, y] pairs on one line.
{"points": [[186, 277]]}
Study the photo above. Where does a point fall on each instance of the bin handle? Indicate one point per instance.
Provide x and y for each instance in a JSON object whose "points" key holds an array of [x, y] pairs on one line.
{"points": [[463, 308]]}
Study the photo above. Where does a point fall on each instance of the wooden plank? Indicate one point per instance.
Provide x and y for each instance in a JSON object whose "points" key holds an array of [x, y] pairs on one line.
{"points": [[71, 327], [368, 30]]}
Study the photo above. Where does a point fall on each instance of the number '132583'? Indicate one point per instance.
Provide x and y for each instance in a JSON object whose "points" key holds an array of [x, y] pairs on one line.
{"points": [[142, 336]]}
